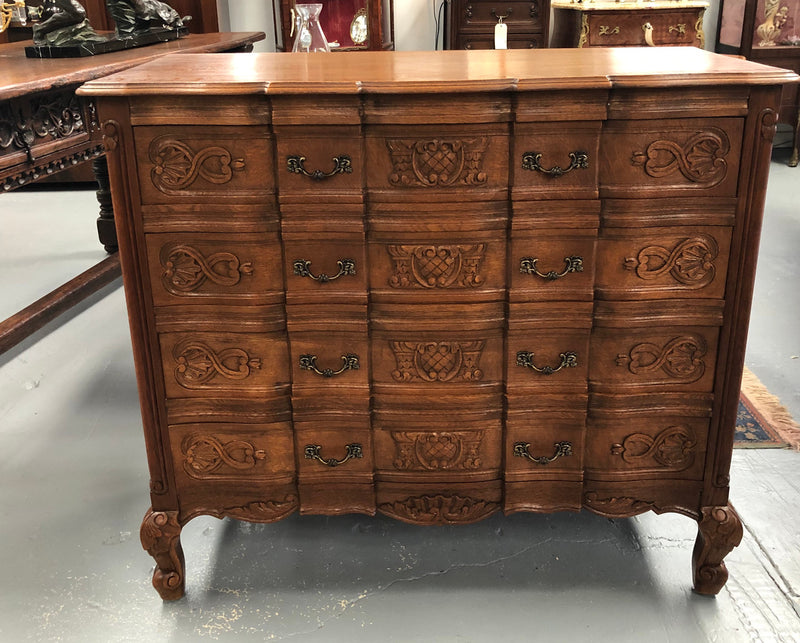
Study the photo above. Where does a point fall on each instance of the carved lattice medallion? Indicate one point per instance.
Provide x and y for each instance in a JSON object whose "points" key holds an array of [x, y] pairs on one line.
{"points": [[437, 451], [436, 266], [437, 361], [437, 162]]}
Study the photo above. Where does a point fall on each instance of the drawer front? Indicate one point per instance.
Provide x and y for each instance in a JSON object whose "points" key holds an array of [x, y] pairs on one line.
{"points": [[201, 164], [314, 163], [556, 160], [229, 452], [331, 450], [634, 28], [214, 268], [431, 163], [663, 262], [206, 363], [484, 15], [329, 360], [324, 269], [699, 156], [680, 357], [543, 446], [486, 41], [625, 446], [547, 360]]}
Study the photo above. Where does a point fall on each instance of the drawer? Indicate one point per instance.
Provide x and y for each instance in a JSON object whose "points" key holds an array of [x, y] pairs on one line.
{"points": [[316, 162], [484, 15], [552, 264], [214, 268], [699, 156], [547, 360], [439, 503], [330, 268], [620, 446], [556, 160], [204, 164], [680, 357], [691, 261], [457, 163], [544, 446], [486, 41], [329, 361], [219, 452], [634, 28], [200, 364], [446, 448]]}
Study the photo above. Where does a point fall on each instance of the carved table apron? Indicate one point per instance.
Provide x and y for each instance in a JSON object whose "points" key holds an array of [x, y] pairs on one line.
{"points": [[440, 285]]}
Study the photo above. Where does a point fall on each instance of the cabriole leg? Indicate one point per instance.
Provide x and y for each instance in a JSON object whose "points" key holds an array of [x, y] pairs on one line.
{"points": [[160, 534], [719, 531]]}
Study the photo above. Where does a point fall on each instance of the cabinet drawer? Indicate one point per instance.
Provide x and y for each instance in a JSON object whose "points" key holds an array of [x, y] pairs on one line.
{"points": [[546, 360], [459, 163], [543, 446], [663, 262], [315, 162], [326, 269], [203, 164], [486, 41], [556, 160], [632, 28], [334, 450], [329, 360], [517, 15], [215, 268], [205, 363], [699, 156]]}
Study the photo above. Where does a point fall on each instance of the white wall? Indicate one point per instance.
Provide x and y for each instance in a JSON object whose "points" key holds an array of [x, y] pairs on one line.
{"points": [[414, 22]]}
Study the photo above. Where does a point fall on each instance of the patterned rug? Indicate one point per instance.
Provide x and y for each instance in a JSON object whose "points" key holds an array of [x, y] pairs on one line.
{"points": [[762, 422]]}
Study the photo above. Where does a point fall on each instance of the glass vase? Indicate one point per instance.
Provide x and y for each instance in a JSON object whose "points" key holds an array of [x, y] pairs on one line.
{"points": [[309, 35]]}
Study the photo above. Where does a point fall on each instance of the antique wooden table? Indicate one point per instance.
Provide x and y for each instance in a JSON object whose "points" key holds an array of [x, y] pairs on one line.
{"points": [[440, 284], [45, 128]]}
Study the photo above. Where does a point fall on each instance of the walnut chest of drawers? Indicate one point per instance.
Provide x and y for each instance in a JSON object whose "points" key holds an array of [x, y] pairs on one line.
{"points": [[470, 24], [606, 23], [439, 285]]}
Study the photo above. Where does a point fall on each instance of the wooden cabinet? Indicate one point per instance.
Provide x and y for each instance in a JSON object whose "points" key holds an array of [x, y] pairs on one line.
{"points": [[611, 24], [348, 24], [470, 24], [440, 285], [766, 32]]}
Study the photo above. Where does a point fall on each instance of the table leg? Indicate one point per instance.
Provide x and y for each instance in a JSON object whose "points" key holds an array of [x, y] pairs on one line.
{"points": [[793, 161], [105, 222]]}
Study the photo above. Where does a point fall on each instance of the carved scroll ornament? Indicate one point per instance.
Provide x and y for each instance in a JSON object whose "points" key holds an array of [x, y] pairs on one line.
{"points": [[198, 364], [690, 262], [701, 159], [673, 448], [437, 162], [439, 509], [680, 358], [207, 457], [437, 361], [176, 166], [186, 269], [437, 451], [437, 266]]}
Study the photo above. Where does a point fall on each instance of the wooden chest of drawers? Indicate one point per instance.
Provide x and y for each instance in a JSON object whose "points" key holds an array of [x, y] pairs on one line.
{"points": [[470, 24], [440, 285], [604, 23]]}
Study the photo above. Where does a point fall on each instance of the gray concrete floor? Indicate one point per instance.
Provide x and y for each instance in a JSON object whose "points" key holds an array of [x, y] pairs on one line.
{"points": [[73, 490]]}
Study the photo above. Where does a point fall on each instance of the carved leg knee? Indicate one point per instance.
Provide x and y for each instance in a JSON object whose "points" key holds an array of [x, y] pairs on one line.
{"points": [[160, 534], [719, 531]]}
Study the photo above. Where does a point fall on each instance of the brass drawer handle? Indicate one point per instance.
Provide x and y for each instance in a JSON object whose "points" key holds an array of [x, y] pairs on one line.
{"points": [[309, 363], [561, 449], [302, 268], [341, 165], [527, 266], [533, 161], [648, 34], [313, 452], [504, 16], [568, 360]]}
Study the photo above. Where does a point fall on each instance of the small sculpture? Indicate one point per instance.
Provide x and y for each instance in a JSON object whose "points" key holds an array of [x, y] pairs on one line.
{"points": [[138, 16], [774, 19], [63, 22]]}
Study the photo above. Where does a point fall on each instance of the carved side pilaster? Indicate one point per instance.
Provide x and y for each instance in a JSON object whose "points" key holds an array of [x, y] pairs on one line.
{"points": [[719, 531], [160, 536]]}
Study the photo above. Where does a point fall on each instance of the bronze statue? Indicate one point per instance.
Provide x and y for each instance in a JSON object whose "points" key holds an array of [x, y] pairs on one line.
{"points": [[63, 22], [137, 16]]}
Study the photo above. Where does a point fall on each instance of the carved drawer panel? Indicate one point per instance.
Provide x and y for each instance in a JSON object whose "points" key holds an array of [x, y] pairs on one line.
{"points": [[199, 364], [326, 269], [314, 162], [681, 357], [426, 163], [552, 264], [665, 27], [439, 503], [200, 164], [448, 448], [652, 262], [647, 157], [621, 446], [556, 160], [227, 452], [215, 268]]}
